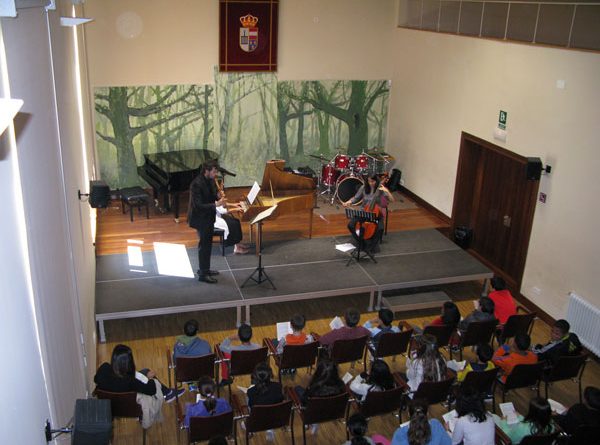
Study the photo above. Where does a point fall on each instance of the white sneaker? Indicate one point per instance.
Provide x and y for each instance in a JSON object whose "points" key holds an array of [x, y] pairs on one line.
{"points": [[270, 435]]}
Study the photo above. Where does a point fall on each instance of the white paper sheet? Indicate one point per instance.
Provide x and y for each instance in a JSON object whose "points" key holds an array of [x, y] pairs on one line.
{"points": [[283, 328], [346, 247], [253, 193], [336, 323]]}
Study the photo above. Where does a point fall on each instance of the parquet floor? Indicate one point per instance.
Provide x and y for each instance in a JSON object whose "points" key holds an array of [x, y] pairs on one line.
{"points": [[150, 337]]}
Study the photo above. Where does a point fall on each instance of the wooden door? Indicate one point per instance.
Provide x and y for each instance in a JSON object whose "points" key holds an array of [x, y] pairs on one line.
{"points": [[495, 199]]}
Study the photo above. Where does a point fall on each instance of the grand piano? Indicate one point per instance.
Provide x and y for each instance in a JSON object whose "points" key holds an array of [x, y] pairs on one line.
{"points": [[291, 192], [172, 172]]}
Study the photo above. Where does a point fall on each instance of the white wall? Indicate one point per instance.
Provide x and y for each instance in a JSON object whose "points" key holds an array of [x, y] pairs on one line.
{"points": [[57, 249], [179, 41], [445, 84]]}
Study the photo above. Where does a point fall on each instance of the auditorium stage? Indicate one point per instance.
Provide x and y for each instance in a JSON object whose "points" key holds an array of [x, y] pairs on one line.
{"points": [[300, 269]]}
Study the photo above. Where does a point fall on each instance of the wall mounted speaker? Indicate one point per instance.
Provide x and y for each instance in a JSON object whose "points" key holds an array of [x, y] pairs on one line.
{"points": [[534, 169], [99, 194]]}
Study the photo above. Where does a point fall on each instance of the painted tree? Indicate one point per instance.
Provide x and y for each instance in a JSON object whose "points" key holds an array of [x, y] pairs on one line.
{"points": [[355, 112], [286, 113], [379, 119], [115, 106]]}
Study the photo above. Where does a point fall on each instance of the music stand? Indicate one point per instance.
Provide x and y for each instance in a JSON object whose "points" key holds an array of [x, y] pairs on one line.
{"points": [[361, 217], [260, 270]]}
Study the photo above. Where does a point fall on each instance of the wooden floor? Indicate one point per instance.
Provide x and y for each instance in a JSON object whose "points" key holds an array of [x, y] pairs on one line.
{"points": [[150, 337], [114, 228]]}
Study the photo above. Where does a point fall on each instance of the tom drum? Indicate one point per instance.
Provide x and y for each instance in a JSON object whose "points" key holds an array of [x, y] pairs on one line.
{"points": [[342, 162], [329, 175]]}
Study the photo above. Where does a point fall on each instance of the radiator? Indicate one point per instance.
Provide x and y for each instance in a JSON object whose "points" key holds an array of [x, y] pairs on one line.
{"points": [[584, 319]]}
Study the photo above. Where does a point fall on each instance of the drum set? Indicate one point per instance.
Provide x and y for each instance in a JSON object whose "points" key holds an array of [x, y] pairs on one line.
{"points": [[342, 176]]}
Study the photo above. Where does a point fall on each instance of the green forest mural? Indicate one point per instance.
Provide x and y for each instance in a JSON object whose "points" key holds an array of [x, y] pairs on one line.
{"points": [[246, 118]]}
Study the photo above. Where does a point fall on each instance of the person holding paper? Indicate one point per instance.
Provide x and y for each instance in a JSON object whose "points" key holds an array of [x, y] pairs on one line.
{"points": [[537, 422], [504, 304], [484, 311], [297, 336], [483, 363], [244, 335], [474, 426], [207, 404], [420, 430], [587, 413], [562, 342], [380, 325], [379, 379], [120, 376], [428, 364], [348, 332], [516, 353], [204, 199], [263, 390]]}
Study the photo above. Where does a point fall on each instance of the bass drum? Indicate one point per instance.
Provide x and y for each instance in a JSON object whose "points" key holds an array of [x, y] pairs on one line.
{"points": [[347, 187]]}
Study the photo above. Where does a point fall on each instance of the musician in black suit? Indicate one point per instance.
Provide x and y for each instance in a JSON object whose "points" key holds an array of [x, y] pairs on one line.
{"points": [[204, 199]]}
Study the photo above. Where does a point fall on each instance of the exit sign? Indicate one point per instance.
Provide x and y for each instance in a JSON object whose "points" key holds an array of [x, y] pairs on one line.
{"points": [[502, 120]]}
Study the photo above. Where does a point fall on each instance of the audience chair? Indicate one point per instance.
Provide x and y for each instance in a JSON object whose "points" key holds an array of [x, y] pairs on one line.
{"points": [[221, 234], [319, 409], [500, 437], [477, 332], [433, 392], [123, 405], [566, 368], [522, 376], [516, 324], [349, 351], [442, 334], [484, 382], [390, 344], [265, 417], [582, 434], [204, 428], [242, 362], [191, 369], [377, 403], [544, 439], [293, 356]]}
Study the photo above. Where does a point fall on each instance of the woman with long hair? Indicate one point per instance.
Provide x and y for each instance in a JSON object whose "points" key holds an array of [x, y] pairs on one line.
{"points": [[208, 405], [120, 376], [263, 390], [474, 426], [428, 365], [379, 379], [420, 430], [537, 422]]}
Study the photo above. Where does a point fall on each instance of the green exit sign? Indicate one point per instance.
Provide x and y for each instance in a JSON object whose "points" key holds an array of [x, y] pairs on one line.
{"points": [[502, 119]]}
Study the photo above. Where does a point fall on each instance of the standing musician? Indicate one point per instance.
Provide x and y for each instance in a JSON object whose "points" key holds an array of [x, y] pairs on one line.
{"points": [[204, 199], [375, 196], [230, 225]]}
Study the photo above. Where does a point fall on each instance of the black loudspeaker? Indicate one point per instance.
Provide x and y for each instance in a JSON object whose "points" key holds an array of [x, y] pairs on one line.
{"points": [[99, 194], [394, 182], [534, 169], [93, 422], [463, 236]]}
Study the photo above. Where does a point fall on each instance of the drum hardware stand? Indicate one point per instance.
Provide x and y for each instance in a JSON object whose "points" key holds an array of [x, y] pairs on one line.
{"points": [[260, 270], [361, 216]]}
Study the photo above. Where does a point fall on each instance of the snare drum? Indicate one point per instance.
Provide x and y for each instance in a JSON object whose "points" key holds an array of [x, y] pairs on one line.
{"points": [[329, 174], [347, 186], [342, 162], [361, 162]]}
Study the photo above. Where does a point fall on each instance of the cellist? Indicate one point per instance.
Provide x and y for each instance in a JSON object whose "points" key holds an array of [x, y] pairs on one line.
{"points": [[374, 197]]}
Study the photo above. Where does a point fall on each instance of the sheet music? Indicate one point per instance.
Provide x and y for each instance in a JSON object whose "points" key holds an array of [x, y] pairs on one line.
{"points": [[283, 328], [264, 214], [253, 193]]}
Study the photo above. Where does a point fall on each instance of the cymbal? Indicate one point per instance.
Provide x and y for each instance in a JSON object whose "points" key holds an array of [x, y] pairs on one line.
{"points": [[319, 157]]}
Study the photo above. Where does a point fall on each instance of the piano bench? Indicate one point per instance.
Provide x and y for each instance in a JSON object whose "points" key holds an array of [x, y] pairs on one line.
{"points": [[221, 234], [135, 197]]}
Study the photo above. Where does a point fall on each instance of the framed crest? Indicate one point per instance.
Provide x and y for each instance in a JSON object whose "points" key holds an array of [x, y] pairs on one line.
{"points": [[248, 35]]}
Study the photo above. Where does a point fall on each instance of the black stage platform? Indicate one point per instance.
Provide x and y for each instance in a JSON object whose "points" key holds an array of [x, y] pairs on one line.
{"points": [[300, 269]]}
